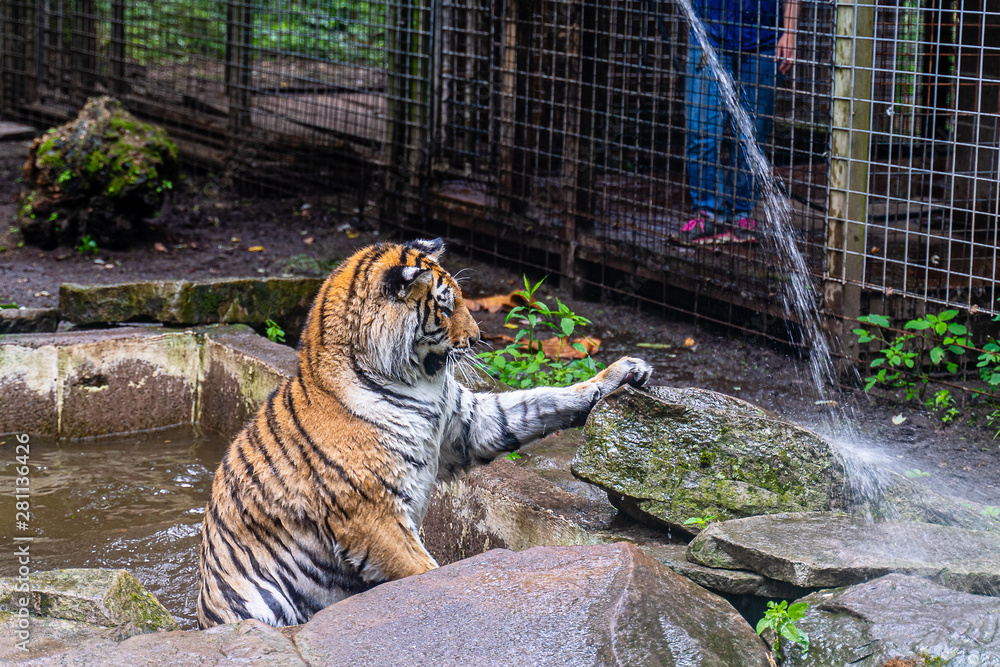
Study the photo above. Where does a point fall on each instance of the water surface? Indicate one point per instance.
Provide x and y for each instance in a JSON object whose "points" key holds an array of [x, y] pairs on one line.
{"points": [[127, 501]]}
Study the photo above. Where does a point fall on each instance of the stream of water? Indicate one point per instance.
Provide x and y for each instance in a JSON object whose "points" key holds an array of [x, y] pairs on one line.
{"points": [[866, 470]]}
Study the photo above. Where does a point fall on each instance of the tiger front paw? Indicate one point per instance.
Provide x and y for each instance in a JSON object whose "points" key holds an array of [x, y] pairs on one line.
{"points": [[627, 370]]}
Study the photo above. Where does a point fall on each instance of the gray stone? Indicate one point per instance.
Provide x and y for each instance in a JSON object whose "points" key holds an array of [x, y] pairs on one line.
{"points": [[248, 643], [110, 598], [507, 506], [665, 455], [100, 175], [822, 549], [591, 605], [896, 616], [215, 375], [43, 637], [735, 582], [239, 300], [28, 320]]}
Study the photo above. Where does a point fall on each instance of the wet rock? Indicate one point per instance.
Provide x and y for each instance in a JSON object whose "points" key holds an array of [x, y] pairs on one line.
{"points": [[247, 643], [28, 320], [823, 549], [665, 455], [245, 300], [100, 175], [592, 605], [43, 637], [110, 598], [507, 506], [734, 582], [897, 616]]}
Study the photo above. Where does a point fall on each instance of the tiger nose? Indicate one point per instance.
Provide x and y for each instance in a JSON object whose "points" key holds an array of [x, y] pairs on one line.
{"points": [[473, 339]]}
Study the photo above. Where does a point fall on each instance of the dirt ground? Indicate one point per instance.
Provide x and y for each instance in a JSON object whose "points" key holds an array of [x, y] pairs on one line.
{"points": [[206, 231]]}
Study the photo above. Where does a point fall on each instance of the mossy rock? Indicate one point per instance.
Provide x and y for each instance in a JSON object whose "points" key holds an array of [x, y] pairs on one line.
{"points": [[100, 175], [103, 597], [666, 455]]}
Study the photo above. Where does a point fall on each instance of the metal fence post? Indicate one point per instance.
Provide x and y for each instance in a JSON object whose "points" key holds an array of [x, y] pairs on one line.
{"points": [[239, 60], [118, 84], [409, 100], [849, 166]]}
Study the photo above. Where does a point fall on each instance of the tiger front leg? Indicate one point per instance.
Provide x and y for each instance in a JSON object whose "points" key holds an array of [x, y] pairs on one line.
{"points": [[391, 547], [491, 424]]}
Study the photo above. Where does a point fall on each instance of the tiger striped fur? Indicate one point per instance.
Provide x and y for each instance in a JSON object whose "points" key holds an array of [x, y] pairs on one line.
{"points": [[322, 494]]}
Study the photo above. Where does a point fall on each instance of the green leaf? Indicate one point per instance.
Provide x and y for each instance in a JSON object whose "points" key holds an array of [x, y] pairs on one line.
{"points": [[567, 326], [957, 329], [877, 320], [947, 315], [763, 624], [797, 610], [877, 362], [918, 325], [937, 354], [579, 348]]}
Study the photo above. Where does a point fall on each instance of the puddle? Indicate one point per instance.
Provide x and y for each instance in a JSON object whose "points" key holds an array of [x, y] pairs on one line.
{"points": [[125, 501]]}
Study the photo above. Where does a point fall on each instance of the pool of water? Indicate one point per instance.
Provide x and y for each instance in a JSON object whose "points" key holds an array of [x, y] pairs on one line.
{"points": [[127, 501]]}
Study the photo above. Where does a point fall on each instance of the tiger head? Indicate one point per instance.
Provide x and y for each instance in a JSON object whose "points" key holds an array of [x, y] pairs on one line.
{"points": [[400, 314]]}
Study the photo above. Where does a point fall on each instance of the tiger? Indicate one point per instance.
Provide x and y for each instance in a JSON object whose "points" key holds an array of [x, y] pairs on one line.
{"points": [[322, 494]]}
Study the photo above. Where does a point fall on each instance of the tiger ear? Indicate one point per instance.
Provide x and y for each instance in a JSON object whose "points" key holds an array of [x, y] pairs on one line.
{"points": [[399, 281], [433, 248]]}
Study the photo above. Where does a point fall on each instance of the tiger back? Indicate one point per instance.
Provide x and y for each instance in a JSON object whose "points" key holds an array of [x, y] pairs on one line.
{"points": [[323, 492]]}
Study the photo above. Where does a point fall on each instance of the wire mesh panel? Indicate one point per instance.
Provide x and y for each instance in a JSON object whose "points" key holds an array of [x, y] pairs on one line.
{"points": [[562, 145], [930, 177], [285, 93], [564, 135]]}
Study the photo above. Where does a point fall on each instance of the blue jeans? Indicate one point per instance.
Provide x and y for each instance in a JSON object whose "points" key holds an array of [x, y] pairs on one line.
{"points": [[729, 192]]}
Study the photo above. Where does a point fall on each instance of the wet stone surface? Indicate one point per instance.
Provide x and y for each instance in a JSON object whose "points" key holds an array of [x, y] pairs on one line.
{"points": [[109, 598], [666, 455], [591, 605], [902, 617], [822, 549]]}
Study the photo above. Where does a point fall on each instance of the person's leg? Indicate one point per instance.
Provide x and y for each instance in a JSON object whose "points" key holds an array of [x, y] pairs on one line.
{"points": [[704, 119], [758, 77]]}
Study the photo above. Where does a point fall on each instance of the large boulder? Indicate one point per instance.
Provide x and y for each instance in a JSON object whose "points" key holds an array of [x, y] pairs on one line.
{"points": [[100, 175], [587, 605], [665, 455], [825, 549], [909, 619]]}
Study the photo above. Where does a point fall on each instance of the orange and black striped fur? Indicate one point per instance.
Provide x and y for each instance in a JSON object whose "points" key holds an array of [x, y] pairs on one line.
{"points": [[323, 492]]}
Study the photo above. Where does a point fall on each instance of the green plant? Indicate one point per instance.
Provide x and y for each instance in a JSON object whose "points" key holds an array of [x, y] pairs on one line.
{"points": [[275, 333], [780, 619], [915, 473], [943, 402], [87, 244], [902, 358], [7, 306], [65, 176], [523, 363], [991, 511], [513, 456], [700, 521]]}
